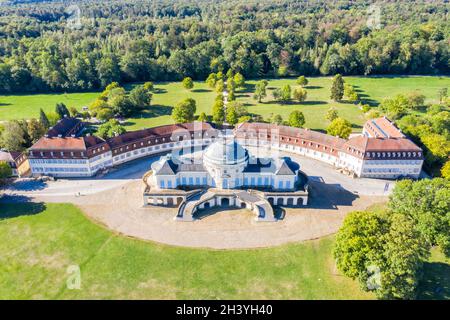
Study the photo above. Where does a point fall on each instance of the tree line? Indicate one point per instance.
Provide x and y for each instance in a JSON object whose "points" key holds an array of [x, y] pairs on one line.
{"points": [[131, 41]]}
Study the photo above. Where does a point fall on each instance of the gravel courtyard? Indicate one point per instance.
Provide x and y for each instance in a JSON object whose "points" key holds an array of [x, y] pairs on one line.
{"points": [[115, 201]]}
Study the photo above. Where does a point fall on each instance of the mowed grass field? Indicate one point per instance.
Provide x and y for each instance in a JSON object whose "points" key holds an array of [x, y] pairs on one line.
{"points": [[39, 242], [371, 89]]}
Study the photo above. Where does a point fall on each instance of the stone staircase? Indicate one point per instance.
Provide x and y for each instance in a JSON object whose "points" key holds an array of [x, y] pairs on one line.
{"points": [[256, 201]]}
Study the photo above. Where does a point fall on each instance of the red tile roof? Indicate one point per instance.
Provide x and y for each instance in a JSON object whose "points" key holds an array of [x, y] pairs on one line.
{"points": [[68, 143], [382, 128], [304, 134], [167, 130], [64, 127]]}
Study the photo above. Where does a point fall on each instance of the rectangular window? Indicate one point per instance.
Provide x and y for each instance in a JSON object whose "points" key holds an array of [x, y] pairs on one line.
{"points": [[162, 184]]}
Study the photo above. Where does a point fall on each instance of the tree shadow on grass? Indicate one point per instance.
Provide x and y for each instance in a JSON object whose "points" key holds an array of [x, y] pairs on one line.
{"points": [[154, 111], [356, 126], [294, 103], [2, 104], [159, 90], [313, 102], [313, 87], [370, 102], [200, 90], [436, 282], [16, 206], [248, 87]]}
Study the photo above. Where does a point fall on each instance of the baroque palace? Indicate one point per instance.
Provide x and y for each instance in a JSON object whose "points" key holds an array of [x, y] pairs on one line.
{"points": [[203, 166], [382, 151]]}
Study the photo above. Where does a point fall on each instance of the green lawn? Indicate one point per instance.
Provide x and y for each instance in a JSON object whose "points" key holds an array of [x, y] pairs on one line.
{"points": [[39, 242], [37, 245], [372, 89], [27, 106]]}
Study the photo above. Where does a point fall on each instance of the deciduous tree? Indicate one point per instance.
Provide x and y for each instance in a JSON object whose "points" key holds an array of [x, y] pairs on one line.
{"points": [[188, 83], [300, 94], [337, 88], [332, 114], [296, 119], [302, 81], [340, 127], [5, 170], [184, 111]]}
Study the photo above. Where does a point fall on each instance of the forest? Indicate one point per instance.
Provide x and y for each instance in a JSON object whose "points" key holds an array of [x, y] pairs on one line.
{"points": [[57, 46]]}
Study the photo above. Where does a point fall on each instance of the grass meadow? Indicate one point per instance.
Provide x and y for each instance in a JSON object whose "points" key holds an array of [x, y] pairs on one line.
{"points": [[39, 242], [372, 90]]}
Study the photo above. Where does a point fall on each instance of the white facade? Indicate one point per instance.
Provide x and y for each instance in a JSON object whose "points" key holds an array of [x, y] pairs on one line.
{"points": [[60, 167], [225, 165], [70, 167]]}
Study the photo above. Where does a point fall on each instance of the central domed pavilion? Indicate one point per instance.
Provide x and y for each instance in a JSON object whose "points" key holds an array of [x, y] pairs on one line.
{"points": [[225, 164]]}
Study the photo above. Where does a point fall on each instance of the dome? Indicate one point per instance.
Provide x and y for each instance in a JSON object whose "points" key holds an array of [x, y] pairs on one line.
{"points": [[225, 151]]}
